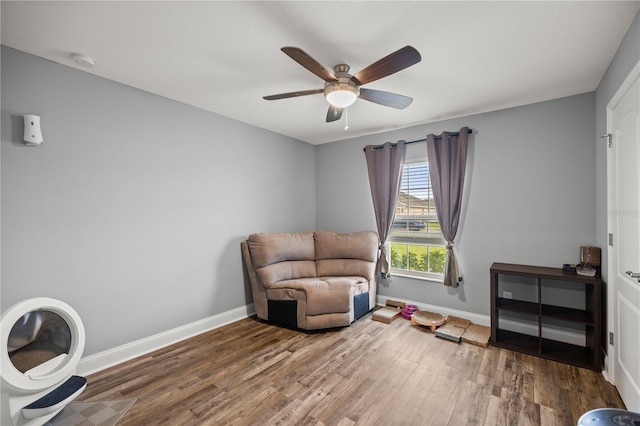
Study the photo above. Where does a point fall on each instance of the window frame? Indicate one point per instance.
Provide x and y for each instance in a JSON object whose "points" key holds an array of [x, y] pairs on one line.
{"points": [[409, 237]]}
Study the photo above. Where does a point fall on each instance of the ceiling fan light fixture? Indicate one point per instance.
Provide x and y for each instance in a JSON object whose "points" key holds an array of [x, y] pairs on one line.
{"points": [[341, 95]]}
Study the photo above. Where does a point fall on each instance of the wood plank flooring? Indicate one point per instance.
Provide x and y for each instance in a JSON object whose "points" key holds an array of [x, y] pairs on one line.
{"points": [[253, 373]]}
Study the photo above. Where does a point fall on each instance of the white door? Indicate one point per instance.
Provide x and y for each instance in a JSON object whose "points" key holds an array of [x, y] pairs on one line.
{"points": [[623, 124]]}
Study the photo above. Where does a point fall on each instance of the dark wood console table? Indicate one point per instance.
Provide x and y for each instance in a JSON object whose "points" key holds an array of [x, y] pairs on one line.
{"points": [[588, 356]]}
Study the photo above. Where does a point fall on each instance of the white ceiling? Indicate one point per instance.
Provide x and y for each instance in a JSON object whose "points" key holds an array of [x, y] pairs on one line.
{"points": [[224, 56]]}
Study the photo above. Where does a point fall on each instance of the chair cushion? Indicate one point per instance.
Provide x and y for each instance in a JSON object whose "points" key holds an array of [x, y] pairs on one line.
{"points": [[284, 271], [277, 247], [351, 254], [282, 256], [322, 297]]}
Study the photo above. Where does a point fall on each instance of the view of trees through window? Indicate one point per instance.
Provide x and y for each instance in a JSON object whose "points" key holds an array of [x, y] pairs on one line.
{"points": [[416, 238]]}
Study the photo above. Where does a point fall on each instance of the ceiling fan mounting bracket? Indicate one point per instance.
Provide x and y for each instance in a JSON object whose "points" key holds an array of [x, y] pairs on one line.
{"points": [[341, 69]]}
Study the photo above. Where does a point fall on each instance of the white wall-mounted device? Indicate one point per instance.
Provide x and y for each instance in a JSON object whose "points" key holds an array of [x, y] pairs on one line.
{"points": [[32, 131]]}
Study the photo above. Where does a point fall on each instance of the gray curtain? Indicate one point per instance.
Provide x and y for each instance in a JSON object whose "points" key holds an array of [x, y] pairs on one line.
{"points": [[447, 156], [385, 171]]}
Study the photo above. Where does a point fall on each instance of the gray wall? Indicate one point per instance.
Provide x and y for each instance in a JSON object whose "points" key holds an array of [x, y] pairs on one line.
{"points": [[133, 209], [625, 59], [529, 193]]}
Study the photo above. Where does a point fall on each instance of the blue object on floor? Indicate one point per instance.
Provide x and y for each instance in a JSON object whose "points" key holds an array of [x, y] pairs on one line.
{"points": [[55, 400]]}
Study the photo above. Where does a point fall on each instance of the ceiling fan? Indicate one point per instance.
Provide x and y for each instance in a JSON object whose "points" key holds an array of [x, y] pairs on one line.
{"points": [[341, 89]]}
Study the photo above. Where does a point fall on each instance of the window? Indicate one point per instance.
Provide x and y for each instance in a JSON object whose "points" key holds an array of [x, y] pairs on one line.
{"points": [[416, 244]]}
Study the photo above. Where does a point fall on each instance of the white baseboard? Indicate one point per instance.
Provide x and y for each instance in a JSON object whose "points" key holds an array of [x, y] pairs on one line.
{"points": [[565, 336], [605, 370], [102, 360]]}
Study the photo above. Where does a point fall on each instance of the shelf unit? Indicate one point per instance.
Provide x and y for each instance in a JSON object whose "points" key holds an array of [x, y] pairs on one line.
{"points": [[587, 356]]}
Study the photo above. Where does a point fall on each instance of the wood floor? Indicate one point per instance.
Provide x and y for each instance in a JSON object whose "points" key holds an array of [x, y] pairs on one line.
{"points": [[252, 373]]}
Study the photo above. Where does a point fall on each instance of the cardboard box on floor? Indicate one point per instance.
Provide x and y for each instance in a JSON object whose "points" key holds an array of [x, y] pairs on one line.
{"points": [[389, 312]]}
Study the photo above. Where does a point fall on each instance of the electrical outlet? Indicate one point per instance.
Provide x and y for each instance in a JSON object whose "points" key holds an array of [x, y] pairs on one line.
{"points": [[507, 295]]}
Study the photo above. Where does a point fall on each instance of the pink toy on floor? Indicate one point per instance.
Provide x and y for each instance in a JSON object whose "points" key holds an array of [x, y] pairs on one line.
{"points": [[408, 311]]}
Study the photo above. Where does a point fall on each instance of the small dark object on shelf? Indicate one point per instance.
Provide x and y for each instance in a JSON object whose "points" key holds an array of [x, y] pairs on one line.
{"points": [[569, 268]]}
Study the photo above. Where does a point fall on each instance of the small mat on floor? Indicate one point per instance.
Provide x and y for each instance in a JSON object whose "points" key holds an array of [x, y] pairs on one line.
{"points": [[477, 335], [450, 332], [386, 314], [89, 413], [457, 321], [459, 329]]}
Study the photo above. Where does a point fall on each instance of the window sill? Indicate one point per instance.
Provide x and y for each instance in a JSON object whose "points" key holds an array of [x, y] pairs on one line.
{"points": [[405, 274]]}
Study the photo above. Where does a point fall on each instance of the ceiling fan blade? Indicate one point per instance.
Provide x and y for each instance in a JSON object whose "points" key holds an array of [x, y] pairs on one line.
{"points": [[389, 99], [309, 63], [293, 94], [396, 61], [334, 113]]}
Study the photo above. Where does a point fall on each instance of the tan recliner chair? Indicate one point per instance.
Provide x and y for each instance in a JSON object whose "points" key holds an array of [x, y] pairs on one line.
{"points": [[312, 280]]}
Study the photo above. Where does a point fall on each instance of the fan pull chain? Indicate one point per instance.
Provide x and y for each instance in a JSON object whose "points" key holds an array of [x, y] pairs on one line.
{"points": [[346, 119]]}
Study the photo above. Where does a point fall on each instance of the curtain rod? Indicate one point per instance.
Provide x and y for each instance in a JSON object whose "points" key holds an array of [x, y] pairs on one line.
{"points": [[469, 131]]}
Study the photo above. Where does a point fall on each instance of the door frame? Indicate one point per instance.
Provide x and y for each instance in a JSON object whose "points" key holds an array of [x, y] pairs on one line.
{"points": [[610, 364]]}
